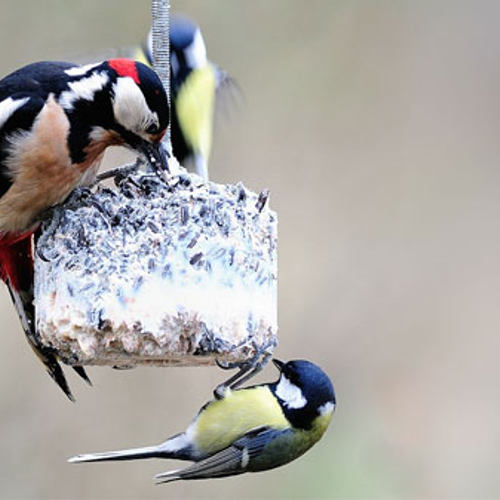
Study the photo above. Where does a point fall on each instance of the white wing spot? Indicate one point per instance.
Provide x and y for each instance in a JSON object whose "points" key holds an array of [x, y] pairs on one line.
{"points": [[83, 89], [9, 106], [290, 394], [245, 458], [80, 70]]}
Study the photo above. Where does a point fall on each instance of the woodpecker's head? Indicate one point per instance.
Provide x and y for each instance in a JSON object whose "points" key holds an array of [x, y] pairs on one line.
{"points": [[140, 107], [116, 102]]}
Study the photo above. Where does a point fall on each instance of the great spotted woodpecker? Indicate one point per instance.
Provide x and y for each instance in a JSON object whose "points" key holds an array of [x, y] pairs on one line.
{"points": [[56, 120]]}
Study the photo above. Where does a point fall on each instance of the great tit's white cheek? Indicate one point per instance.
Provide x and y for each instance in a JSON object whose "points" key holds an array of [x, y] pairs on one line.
{"points": [[326, 408], [196, 53], [290, 394]]}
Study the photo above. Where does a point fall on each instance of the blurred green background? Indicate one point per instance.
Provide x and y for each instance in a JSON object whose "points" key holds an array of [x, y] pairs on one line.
{"points": [[376, 126]]}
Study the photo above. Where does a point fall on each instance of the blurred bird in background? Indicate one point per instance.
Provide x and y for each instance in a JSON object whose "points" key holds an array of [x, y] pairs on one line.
{"points": [[56, 121], [247, 430], [199, 88]]}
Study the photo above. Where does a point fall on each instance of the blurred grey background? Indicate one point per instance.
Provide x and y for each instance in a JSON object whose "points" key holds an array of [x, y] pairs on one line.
{"points": [[376, 127]]}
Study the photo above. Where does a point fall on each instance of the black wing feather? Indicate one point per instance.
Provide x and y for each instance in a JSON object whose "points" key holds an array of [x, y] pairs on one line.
{"points": [[230, 461]]}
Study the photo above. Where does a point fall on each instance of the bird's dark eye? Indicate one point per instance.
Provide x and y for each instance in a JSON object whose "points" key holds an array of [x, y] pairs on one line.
{"points": [[152, 129]]}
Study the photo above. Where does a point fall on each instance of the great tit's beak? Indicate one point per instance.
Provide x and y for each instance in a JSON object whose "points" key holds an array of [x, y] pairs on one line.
{"points": [[279, 364], [156, 155]]}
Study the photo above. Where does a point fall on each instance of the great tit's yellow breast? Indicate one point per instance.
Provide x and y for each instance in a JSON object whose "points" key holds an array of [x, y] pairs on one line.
{"points": [[224, 421], [195, 109], [317, 430]]}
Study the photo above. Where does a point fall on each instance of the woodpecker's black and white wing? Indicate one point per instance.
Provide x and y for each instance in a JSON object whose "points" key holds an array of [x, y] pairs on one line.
{"points": [[23, 94], [233, 460]]}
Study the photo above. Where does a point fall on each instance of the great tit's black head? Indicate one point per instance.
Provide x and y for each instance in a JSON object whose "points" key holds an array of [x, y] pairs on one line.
{"points": [[187, 49], [305, 392], [182, 32]]}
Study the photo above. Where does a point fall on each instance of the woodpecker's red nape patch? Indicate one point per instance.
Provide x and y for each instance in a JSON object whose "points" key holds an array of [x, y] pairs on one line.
{"points": [[125, 67]]}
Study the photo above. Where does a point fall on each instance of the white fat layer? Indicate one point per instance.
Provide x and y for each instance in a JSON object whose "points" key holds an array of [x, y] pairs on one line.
{"points": [[80, 70], [290, 394], [9, 106], [83, 89], [196, 53], [326, 408], [130, 107]]}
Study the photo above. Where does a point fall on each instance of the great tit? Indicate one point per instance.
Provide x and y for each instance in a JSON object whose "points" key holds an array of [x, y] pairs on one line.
{"points": [[247, 430], [197, 87], [56, 121]]}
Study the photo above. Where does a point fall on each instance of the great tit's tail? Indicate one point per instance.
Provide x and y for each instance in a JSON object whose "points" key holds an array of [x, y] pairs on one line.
{"points": [[177, 447], [133, 454]]}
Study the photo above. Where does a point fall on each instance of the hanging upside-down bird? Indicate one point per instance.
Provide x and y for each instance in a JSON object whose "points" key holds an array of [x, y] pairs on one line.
{"points": [[56, 120], [247, 430], [198, 86]]}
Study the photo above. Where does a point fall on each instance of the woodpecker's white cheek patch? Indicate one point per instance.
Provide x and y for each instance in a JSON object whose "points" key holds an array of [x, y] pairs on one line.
{"points": [[83, 89], [290, 394], [196, 53], [130, 107], [326, 409], [9, 106]]}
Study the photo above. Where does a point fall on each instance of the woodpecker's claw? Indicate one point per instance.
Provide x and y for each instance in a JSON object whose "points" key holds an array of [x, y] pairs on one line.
{"points": [[122, 171]]}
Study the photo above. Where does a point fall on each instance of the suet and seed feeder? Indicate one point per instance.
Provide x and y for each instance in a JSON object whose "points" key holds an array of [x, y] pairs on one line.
{"points": [[176, 272]]}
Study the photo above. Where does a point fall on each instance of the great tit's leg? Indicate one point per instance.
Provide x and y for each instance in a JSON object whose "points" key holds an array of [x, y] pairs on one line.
{"points": [[242, 371], [246, 370]]}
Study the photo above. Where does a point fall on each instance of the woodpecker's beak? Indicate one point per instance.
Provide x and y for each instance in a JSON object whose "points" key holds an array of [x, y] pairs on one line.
{"points": [[279, 364], [156, 155]]}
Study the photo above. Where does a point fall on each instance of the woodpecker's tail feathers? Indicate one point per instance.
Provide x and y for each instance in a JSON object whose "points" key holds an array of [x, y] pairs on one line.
{"points": [[55, 371], [83, 374], [44, 354]]}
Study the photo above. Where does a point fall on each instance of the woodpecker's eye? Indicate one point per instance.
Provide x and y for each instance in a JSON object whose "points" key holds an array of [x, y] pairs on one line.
{"points": [[152, 129]]}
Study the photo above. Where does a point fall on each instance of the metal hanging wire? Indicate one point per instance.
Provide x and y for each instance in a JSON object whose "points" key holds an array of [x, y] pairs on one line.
{"points": [[160, 33]]}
